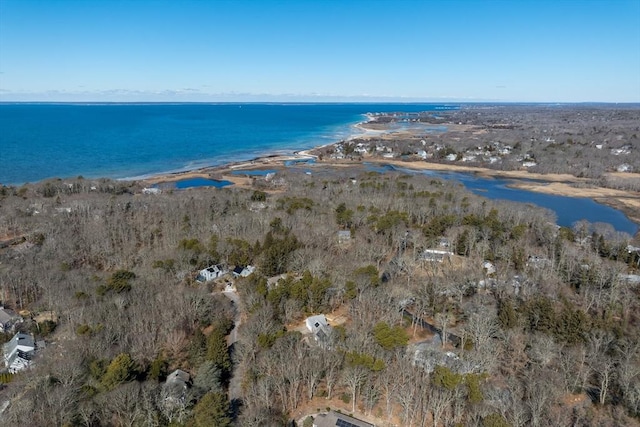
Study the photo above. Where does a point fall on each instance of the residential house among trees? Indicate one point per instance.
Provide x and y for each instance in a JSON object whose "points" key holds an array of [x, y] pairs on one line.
{"points": [[174, 390], [8, 320], [435, 255], [315, 323], [211, 273], [18, 352], [320, 329], [240, 271], [344, 236], [174, 395], [336, 419]]}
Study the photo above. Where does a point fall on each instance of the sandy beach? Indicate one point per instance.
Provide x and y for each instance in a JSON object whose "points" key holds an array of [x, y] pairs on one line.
{"points": [[224, 172]]}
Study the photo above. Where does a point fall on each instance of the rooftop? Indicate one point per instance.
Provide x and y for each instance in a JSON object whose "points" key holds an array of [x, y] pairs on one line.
{"points": [[336, 419]]}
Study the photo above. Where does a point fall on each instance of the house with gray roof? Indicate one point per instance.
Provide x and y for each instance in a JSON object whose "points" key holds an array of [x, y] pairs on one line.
{"points": [[8, 319], [174, 390], [344, 236], [336, 419], [320, 329], [18, 352]]}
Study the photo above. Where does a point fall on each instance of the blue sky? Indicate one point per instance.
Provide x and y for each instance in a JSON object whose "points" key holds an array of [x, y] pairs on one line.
{"points": [[137, 50]]}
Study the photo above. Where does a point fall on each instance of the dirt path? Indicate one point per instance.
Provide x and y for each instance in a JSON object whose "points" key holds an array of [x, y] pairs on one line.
{"points": [[235, 383]]}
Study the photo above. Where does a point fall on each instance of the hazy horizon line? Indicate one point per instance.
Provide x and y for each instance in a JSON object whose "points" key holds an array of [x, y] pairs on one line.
{"points": [[185, 96], [319, 101]]}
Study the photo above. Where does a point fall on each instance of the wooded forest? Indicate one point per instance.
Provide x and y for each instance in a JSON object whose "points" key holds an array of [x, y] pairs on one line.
{"points": [[522, 323]]}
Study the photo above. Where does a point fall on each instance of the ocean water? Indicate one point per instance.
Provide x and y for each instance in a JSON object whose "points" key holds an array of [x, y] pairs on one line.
{"points": [[40, 141]]}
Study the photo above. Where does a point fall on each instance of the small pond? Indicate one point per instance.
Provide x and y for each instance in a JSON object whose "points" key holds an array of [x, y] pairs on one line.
{"points": [[201, 182]]}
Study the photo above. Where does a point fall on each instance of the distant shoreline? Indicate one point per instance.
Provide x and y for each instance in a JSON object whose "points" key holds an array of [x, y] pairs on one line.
{"points": [[554, 184]]}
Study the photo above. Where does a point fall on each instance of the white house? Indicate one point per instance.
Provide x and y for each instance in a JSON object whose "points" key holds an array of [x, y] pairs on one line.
{"points": [[360, 149], [626, 149], [320, 329], [314, 323], [435, 255], [243, 271], [151, 190], [211, 273], [18, 352]]}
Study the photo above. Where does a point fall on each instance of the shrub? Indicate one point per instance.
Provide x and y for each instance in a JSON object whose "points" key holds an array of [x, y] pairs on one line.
{"points": [[494, 420], [97, 368], [120, 370], [119, 281], [5, 377], [388, 337], [83, 329], [158, 369], [212, 410], [80, 295], [259, 196]]}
